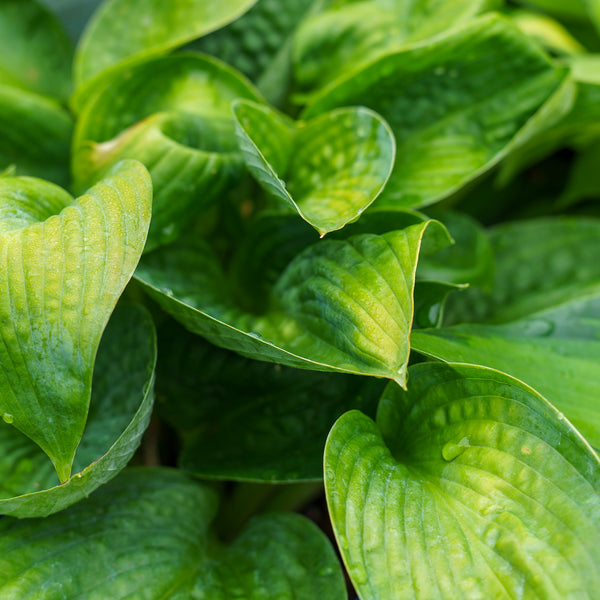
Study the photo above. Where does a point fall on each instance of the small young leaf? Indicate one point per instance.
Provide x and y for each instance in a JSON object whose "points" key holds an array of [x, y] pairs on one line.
{"points": [[147, 535], [120, 409], [329, 169], [63, 265], [469, 486]]}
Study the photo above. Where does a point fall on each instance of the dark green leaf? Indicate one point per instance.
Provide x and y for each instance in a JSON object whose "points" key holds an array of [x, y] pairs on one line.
{"points": [[35, 135], [248, 420], [146, 535], [35, 53]]}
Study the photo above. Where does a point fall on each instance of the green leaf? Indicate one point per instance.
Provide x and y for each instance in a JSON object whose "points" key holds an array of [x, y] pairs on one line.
{"points": [[329, 169], [539, 264], [348, 35], [340, 305], [120, 409], [456, 105], [469, 486], [153, 541], [430, 301], [248, 420], [64, 263], [126, 29], [556, 351], [35, 52], [172, 114], [36, 135]]}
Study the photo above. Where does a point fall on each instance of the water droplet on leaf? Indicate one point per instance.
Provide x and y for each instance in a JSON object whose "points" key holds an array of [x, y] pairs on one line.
{"points": [[7, 418], [451, 450]]}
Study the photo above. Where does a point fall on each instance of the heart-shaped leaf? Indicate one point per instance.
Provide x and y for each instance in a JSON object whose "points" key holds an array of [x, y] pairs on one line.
{"points": [[64, 263], [35, 52], [329, 169], [248, 420], [340, 305], [469, 486], [120, 409], [153, 541], [36, 135], [115, 33], [453, 116], [172, 114]]}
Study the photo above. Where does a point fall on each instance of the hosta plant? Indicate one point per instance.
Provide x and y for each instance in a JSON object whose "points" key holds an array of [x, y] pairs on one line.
{"points": [[299, 299]]}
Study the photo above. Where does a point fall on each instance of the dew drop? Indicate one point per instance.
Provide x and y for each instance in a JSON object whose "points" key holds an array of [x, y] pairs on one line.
{"points": [[325, 571], [7, 418], [451, 450]]}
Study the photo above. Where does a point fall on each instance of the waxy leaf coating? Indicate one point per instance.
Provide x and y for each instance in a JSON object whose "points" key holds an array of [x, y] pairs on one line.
{"points": [[469, 486], [63, 266]]}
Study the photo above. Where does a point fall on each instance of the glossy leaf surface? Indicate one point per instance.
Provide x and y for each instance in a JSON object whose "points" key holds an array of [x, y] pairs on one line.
{"points": [[539, 264], [173, 114], [340, 305], [453, 117], [154, 541], [120, 409], [64, 263], [329, 169], [470, 485]]}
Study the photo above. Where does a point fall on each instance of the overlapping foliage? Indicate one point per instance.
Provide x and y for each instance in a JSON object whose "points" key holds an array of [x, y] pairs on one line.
{"points": [[343, 241]]}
